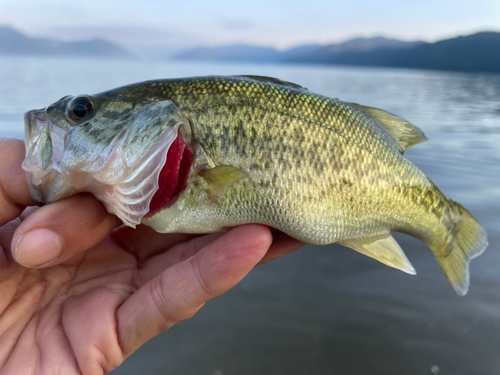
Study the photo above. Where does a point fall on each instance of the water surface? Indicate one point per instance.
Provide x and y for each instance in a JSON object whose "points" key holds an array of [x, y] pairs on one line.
{"points": [[329, 310]]}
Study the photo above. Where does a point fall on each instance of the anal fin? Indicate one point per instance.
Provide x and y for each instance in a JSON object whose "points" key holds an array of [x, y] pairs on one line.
{"points": [[383, 249]]}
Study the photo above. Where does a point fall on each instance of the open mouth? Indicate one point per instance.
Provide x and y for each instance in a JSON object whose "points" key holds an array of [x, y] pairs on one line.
{"points": [[140, 168], [131, 189], [173, 176]]}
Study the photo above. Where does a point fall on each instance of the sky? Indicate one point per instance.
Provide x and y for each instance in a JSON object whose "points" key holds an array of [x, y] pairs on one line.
{"points": [[281, 24]]}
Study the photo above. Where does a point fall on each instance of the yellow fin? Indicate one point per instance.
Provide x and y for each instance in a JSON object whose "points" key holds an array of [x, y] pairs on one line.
{"points": [[403, 134], [221, 178], [470, 241], [383, 249]]}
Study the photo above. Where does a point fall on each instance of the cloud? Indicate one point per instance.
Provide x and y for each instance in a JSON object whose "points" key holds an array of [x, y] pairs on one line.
{"points": [[234, 24]]}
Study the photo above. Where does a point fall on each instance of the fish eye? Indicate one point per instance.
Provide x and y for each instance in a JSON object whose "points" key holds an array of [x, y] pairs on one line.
{"points": [[80, 107]]}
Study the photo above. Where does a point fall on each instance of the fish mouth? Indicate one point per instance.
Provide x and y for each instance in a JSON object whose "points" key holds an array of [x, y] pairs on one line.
{"points": [[173, 176], [44, 144], [129, 189]]}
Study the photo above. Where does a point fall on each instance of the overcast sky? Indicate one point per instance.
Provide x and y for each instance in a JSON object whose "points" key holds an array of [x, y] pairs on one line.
{"points": [[261, 22]]}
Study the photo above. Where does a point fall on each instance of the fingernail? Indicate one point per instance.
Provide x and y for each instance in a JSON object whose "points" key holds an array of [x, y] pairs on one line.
{"points": [[37, 248]]}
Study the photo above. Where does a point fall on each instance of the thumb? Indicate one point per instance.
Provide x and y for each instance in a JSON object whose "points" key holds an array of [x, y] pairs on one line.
{"points": [[57, 232]]}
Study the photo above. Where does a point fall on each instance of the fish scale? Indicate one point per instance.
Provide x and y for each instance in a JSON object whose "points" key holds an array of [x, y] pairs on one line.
{"points": [[244, 116]]}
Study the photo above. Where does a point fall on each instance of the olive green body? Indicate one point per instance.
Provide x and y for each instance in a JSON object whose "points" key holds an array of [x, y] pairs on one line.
{"points": [[318, 169]]}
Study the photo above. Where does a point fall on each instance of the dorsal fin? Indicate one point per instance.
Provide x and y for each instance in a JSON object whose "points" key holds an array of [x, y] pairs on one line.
{"points": [[274, 81], [403, 134]]}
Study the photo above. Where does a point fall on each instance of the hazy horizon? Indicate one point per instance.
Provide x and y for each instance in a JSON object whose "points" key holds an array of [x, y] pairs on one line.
{"points": [[180, 48], [280, 24]]}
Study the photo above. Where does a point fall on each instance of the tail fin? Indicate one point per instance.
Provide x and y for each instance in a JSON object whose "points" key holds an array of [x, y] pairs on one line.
{"points": [[469, 242]]}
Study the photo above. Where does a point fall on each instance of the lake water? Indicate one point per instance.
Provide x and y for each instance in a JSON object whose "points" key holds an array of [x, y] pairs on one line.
{"points": [[329, 310]]}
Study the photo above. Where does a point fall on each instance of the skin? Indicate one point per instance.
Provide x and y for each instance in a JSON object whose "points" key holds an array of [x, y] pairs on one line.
{"points": [[111, 288]]}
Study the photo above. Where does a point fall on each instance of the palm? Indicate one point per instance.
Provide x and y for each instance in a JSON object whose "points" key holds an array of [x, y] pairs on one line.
{"points": [[60, 309], [71, 315], [66, 316], [84, 315], [87, 306]]}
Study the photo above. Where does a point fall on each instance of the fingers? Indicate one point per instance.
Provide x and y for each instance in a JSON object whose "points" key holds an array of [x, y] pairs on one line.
{"points": [[54, 233], [179, 291], [152, 267], [150, 248], [14, 193], [57, 232], [282, 245], [144, 242]]}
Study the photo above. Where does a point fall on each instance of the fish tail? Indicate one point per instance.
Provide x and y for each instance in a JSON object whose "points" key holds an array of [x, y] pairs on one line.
{"points": [[469, 242]]}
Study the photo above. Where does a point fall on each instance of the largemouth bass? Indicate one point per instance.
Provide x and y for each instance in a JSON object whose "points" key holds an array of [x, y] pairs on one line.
{"points": [[198, 155]]}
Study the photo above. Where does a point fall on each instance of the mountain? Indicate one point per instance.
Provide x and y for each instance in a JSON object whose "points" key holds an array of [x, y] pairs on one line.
{"points": [[369, 44], [479, 52], [157, 52], [237, 52], [353, 46], [299, 51], [243, 52], [13, 42], [474, 53]]}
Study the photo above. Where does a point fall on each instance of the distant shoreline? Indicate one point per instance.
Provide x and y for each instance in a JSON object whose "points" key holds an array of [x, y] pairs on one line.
{"points": [[476, 53]]}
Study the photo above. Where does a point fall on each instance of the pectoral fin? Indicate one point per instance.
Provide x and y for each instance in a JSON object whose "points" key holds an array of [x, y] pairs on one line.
{"points": [[385, 250], [221, 178]]}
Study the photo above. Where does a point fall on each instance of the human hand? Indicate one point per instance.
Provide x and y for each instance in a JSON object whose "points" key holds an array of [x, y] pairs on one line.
{"points": [[79, 293]]}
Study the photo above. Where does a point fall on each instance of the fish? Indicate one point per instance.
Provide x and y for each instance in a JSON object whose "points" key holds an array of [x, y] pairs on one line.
{"points": [[203, 154]]}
